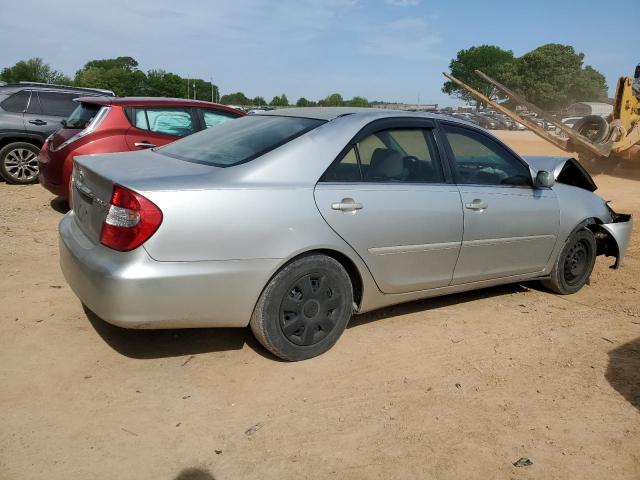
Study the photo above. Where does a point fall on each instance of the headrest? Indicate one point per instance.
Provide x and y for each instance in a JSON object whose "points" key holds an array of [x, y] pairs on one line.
{"points": [[386, 163]]}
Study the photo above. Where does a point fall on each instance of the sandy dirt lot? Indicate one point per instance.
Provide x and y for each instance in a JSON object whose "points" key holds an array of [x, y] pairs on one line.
{"points": [[452, 388]]}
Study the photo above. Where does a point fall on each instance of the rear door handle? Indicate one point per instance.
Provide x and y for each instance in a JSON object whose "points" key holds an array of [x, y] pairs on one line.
{"points": [[347, 205], [37, 122], [144, 144], [477, 204]]}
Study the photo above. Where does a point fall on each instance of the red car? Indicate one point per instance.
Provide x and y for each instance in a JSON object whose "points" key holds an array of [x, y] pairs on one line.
{"points": [[107, 125]]}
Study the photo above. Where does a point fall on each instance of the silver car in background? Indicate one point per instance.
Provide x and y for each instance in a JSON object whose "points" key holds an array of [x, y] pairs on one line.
{"points": [[291, 221]]}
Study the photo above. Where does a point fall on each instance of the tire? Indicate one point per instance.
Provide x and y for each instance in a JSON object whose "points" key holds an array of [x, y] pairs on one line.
{"points": [[594, 127], [19, 163], [304, 308], [574, 265]]}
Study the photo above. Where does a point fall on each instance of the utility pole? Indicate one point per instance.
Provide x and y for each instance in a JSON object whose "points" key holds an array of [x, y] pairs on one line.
{"points": [[194, 89]]}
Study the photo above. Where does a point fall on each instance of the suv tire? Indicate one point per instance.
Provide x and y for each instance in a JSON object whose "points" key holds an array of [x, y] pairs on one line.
{"points": [[19, 163]]}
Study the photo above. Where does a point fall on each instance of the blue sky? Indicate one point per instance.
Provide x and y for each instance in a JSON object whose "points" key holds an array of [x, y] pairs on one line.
{"points": [[392, 50]]}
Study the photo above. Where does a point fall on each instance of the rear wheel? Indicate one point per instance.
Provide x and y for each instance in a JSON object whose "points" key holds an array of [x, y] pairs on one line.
{"points": [[574, 265], [304, 309], [19, 163]]}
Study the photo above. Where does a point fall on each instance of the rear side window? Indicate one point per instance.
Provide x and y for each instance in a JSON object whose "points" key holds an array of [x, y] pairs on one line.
{"points": [[404, 155], [213, 118], [174, 121], [57, 104], [82, 115], [239, 141], [16, 103]]}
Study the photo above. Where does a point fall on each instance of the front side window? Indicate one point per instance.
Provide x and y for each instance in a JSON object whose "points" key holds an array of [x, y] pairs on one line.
{"points": [[239, 141], [213, 118], [57, 104], [390, 156], [482, 161]]}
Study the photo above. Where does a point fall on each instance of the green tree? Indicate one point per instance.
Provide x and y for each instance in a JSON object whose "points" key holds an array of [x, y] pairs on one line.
{"points": [[118, 74], [491, 59], [552, 77], [237, 98], [165, 84], [333, 100], [302, 102], [279, 101], [33, 70], [358, 102], [259, 101], [202, 90]]}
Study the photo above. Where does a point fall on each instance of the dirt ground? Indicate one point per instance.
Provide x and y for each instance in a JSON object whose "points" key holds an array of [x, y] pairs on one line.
{"points": [[451, 388]]}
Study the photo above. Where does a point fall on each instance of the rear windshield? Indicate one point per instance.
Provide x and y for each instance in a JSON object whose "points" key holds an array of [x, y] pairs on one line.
{"points": [[240, 140], [82, 115]]}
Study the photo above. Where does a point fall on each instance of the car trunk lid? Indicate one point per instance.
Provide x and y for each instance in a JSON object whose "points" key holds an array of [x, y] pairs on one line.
{"points": [[95, 175]]}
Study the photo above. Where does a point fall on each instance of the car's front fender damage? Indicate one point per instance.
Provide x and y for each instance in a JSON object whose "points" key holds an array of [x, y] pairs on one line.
{"points": [[613, 233], [613, 238]]}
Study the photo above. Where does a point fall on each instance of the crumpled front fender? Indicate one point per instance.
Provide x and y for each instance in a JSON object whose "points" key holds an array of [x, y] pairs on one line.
{"points": [[620, 229]]}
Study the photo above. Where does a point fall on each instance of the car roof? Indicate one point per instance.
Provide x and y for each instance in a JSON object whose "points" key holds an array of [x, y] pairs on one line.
{"points": [[16, 87], [153, 101], [330, 113]]}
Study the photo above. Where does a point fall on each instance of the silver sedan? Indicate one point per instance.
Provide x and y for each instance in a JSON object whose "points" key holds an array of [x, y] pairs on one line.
{"points": [[293, 220]]}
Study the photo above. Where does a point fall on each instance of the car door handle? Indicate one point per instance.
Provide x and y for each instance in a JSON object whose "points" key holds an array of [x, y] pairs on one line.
{"points": [[346, 205], [477, 204], [37, 122], [144, 144]]}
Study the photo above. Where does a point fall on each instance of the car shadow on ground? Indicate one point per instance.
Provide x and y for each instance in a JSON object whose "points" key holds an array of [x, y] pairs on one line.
{"points": [[435, 303], [60, 205], [194, 474], [144, 344], [623, 371]]}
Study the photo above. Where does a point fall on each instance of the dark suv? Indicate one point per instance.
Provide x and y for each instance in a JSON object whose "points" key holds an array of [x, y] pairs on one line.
{"points": [[29, 113]]}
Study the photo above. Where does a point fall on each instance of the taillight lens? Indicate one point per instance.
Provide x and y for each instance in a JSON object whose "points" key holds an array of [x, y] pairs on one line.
{"points": [[131, 220]]}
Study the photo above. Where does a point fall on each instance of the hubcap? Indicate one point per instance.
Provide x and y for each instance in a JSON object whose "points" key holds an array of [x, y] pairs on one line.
{"points": [[309, 310], [21, 164], [576, 262]]}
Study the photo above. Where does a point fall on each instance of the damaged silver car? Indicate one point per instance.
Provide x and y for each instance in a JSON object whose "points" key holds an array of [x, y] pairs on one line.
{"points": [[291, 221]]}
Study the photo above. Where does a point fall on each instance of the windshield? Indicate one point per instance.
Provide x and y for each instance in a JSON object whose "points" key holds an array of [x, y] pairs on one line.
{"points": [[82, 115], [240, 140]]}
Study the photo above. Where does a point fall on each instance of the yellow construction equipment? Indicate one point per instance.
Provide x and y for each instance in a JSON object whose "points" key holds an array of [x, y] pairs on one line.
{"points": [[601, 144]]}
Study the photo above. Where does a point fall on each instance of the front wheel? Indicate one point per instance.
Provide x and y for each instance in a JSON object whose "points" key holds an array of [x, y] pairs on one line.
{"points": [[19, 163], [574, 265], [304, 309]]}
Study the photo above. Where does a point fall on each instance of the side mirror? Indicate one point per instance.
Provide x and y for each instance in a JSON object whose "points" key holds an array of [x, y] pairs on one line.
{"points": [[544, 179]]}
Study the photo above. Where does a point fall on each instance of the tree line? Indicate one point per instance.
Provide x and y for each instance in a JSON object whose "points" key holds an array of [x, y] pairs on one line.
{"points": [[551, 76], [123, 76]]}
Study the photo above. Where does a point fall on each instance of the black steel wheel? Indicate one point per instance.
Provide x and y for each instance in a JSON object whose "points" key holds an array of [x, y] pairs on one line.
{"points": [[304, 309], [308, 310], [575, 263]]}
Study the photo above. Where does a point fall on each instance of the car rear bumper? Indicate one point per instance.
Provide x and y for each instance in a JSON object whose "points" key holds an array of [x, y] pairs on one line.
{"points": [[51, 174], [131, 290]]}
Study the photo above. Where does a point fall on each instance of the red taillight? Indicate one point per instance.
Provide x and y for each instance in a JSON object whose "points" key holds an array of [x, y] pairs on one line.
{"points": [[131, 220]]}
